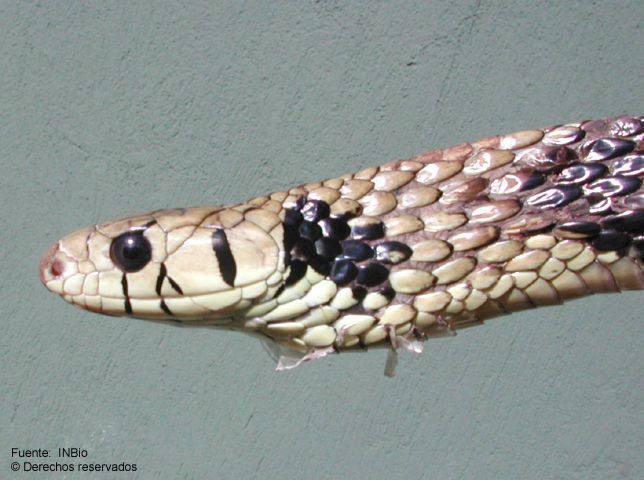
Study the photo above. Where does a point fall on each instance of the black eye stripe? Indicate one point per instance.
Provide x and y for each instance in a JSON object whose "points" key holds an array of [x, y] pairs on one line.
{"points": [[227, 265], [128, 305], [162, 275], [175, 285], [165, 308]]}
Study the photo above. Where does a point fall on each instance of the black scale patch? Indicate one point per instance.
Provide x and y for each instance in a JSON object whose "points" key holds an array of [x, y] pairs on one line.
{"points": [[604, 174], [332, 248]]}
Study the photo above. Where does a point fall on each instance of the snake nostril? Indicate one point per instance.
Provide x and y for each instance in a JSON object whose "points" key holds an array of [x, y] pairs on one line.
{"points": [[49, 265], [57, 268]]}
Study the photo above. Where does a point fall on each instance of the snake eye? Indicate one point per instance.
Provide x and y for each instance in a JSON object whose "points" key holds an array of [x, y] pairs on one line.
{"points": [[131, 251]]}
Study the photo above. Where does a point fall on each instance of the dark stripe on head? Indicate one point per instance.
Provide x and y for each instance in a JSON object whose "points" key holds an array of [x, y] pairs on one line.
{"points": [[165, 308], [175, 285], [227, 265], [162, 274], [128, 305]]}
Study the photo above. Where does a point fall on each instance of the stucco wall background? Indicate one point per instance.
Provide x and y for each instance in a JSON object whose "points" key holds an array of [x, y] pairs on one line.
{"points": [[119, 107]]}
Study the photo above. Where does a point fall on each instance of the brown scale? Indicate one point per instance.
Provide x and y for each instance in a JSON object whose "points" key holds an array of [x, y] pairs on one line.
{"points": [[580, 183]]}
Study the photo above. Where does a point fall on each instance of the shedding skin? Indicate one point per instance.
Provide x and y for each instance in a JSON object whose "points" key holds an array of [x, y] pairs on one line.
{"points": [[388, 256]]}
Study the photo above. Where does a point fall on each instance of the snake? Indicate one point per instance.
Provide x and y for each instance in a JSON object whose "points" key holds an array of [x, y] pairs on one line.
{"points": [[385, 257]]}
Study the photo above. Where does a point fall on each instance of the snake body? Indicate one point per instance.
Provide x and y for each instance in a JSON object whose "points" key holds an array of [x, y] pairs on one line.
{"points": [[387, 256]]}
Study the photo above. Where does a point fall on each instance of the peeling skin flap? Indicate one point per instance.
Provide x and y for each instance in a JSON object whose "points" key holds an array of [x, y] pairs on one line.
{"points": [[287, 363], [287, 359], [391, 363], [413, 346]]}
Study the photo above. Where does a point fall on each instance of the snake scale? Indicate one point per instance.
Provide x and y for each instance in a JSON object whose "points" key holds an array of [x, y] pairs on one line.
{"points": [[387, 256]]}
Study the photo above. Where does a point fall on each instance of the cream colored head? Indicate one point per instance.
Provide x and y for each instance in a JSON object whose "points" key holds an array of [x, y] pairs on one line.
{"points": [[186, 264]]}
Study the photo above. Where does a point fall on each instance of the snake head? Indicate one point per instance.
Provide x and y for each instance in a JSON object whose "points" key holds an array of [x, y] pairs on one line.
{"points": [[204, 263]]}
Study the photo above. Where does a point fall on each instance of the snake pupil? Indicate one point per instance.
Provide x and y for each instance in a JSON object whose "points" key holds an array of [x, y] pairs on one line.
{"points": [[131, 251]]}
